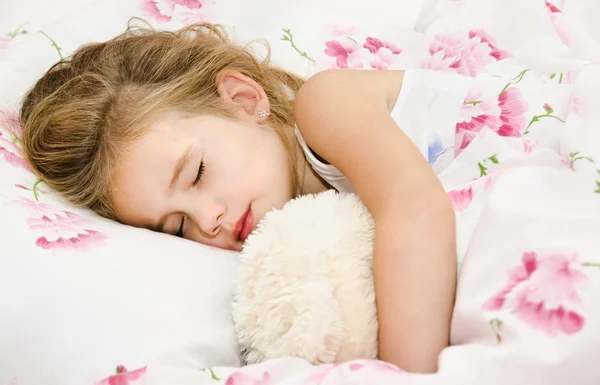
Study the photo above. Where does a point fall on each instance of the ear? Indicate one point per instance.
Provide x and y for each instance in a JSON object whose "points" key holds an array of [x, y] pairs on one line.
{"points": [[245, 93]]}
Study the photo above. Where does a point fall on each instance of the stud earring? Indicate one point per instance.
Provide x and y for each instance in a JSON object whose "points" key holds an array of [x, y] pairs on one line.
{"points": [[263, 113]]}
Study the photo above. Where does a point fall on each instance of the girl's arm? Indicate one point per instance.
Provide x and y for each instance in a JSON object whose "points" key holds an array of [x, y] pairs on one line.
{"points": [[344, 116]]}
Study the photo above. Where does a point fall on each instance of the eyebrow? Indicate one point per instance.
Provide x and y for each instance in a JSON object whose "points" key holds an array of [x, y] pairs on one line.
{"points": [[181, 163]]}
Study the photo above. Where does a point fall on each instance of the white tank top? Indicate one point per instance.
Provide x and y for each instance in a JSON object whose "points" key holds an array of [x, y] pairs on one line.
{"points": [[426, 110]]}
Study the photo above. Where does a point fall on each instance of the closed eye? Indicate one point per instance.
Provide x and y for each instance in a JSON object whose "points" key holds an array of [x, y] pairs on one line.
{"points": [[179, 232], [200, 172]]}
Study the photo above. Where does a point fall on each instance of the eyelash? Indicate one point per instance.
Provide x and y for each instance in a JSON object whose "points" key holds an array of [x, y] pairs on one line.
{"points": [[198, 177], [179, 232], [200, 172]]}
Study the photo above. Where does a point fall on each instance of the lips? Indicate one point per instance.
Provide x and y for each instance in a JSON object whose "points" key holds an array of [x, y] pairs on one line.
{"points": [[243, 226]]}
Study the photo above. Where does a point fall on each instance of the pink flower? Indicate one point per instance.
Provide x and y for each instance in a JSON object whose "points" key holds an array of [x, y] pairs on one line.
{"points": [[505, 116], [345, 52], [36, 209], [13, 381], [137, 377], [477, 112], [59, 229], [250, 375], [479, 36], [461, 198], [186, 11], [383, 53], [65, 231], [552, 8], [373, 45], [463, 55], [512, 115], [543, 292], [12, 153], [382, 60]]}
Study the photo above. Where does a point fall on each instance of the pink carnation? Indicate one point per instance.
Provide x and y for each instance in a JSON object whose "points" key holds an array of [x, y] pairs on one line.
{"points": [[65, 231], [383, 53], [346, 53], [186, 11], [542, 292], [59, 229], [463, 55], [504, 114]]}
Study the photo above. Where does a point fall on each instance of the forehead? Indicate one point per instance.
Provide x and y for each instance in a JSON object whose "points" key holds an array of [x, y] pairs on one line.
{"points": [[144, 170]]}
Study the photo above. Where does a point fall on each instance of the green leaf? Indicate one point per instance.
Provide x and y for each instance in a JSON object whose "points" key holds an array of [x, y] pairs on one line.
{"points": [[494, 159]]}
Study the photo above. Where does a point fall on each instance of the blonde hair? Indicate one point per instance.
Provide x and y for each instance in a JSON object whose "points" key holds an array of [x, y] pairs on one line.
{"points": [[83, 111]]}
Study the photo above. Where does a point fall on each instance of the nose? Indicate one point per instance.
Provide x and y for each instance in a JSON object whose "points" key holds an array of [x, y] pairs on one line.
{"points": [[209, 215]]}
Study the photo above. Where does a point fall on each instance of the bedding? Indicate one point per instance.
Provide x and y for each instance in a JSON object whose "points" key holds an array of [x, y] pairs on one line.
{"points": [[86, 301]]}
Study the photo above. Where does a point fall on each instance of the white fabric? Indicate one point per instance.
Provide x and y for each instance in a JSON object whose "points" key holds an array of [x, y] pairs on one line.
{"points": [[427, 106]]}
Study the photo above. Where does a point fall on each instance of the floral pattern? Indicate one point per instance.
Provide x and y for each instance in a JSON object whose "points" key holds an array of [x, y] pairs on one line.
{"points": [[543, 292], [466, 54], [371, 369], [549, 113], [124, 377], [12, 152], [10, 148], [250, 375], [185, 11], [60, 229], [6, 41], [503, 113], [461, 198], [349, 51]]}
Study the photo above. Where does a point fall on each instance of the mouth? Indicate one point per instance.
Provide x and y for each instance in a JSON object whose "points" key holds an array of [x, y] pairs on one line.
{"points": [[243, 226]]}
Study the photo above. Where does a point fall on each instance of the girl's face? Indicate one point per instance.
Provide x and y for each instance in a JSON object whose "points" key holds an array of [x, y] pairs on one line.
{"points": [[203, 177]]}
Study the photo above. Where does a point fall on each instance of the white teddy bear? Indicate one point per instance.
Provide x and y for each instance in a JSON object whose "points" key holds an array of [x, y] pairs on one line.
{"points": [[305, 284]]}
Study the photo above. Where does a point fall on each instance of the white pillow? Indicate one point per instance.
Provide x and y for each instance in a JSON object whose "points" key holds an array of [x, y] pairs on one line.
{"points": [[80, 295]]}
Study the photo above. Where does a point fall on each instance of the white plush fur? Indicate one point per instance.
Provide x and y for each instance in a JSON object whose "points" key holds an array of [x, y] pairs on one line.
{"points": [[305, 287]]}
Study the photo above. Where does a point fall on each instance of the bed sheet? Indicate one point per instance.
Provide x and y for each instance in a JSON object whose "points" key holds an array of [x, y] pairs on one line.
{"points": [[526, 189]]}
